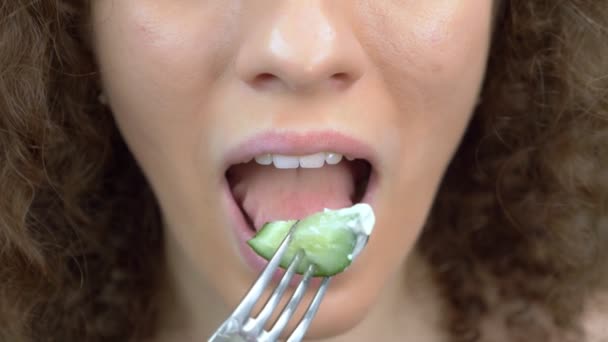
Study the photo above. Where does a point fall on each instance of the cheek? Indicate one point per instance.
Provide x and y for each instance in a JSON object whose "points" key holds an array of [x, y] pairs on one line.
{"points": [[176, 43], [162, 54], [432, 60], [429, 51], [159, 61]]}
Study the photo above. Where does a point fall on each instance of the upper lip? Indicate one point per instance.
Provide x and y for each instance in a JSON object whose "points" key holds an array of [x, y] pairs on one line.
{"points": [[298, 144]]}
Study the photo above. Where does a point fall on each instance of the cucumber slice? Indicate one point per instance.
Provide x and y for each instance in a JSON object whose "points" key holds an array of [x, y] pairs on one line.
{"points": [[328, 239]]}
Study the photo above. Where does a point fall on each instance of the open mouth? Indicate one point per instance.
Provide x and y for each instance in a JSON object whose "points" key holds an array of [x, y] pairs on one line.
{"points": [[272, 187]]}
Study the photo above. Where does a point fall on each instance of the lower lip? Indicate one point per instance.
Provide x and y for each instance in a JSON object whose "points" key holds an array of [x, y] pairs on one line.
{"points": [[244, 233]]}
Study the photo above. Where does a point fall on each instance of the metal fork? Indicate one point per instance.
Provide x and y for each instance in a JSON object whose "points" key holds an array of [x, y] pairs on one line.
{"points": [[241, 327]]}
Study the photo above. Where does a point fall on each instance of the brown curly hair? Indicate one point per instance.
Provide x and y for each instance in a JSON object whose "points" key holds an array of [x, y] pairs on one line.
{"points": [[523, 206]]}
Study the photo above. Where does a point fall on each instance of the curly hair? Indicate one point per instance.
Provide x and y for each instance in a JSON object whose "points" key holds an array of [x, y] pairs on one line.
{"points": [[523, 206]]}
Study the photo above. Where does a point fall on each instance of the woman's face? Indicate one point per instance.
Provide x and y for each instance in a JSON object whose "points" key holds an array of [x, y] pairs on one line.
{"points": [[200, 86]]}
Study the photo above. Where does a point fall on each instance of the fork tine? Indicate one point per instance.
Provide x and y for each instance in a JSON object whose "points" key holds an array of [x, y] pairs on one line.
{"points": [[289, 309], [254, 326], [298, 333], [244, 308]]}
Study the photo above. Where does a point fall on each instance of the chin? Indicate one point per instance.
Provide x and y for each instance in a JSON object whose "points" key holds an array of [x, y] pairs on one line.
{"points": [[341, 311]]}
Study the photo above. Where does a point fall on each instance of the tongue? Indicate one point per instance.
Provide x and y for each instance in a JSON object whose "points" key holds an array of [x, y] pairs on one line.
{"points": [[269, 194]]}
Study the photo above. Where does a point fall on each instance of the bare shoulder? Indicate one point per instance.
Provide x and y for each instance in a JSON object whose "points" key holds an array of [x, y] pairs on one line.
{"points": [[595, 318]]}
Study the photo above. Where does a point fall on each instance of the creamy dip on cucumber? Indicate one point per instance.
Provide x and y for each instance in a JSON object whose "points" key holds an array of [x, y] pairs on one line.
{"points": [[330, 239]]}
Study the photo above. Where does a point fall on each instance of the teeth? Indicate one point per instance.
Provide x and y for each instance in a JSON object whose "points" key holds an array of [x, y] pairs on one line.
{"points": [[333, 158], [316, 160], [264, 159], [313, 161], [285, 162]]}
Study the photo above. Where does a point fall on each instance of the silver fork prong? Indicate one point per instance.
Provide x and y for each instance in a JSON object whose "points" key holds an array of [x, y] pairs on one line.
{"points": [[241, 313], [290, 308], [255, 325], [298, 333]]}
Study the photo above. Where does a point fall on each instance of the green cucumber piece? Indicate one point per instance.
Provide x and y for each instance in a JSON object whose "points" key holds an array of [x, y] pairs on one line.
{"points": [[327, 239]]}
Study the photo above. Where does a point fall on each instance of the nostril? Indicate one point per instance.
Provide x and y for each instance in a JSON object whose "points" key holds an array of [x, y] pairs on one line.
{"points": [[264, 80], [268, 81], [340, 76], [341, 80]]}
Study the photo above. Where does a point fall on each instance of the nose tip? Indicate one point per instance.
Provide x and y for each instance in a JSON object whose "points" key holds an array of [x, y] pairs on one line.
{"points": [[300, 49]]}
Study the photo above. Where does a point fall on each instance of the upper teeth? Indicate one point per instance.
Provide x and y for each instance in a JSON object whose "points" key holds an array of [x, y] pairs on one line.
{"points": [[315, 160]]}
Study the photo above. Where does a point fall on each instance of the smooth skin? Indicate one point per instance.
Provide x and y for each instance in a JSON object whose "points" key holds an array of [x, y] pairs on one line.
{"points": [[187, 80]]}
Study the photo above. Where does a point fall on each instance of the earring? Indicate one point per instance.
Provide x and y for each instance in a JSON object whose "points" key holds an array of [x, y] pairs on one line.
{"points": [[102, 98]]}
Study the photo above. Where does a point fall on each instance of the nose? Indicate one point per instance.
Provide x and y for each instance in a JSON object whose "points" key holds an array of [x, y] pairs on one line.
{"points": [[302, 47]]}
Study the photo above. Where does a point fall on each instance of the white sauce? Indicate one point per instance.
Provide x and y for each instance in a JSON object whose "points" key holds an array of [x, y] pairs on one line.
{"points": [[364, 220], [362, 225]]}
